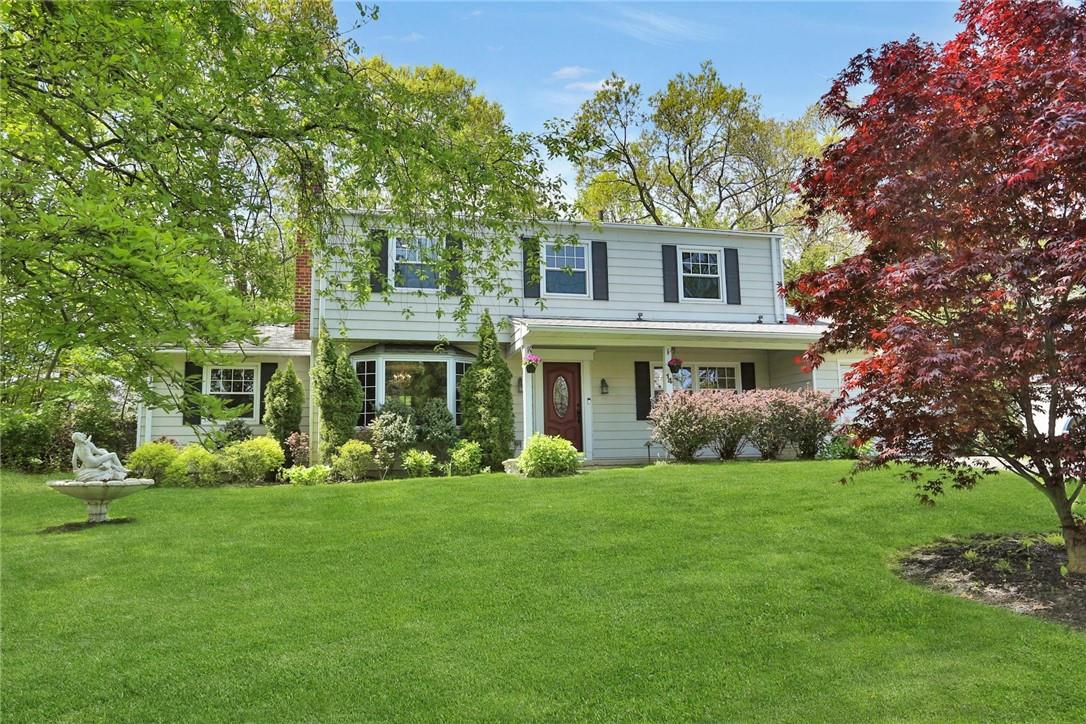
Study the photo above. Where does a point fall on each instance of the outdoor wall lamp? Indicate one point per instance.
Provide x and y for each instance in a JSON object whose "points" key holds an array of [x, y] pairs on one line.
{"points": [[604, 387]]}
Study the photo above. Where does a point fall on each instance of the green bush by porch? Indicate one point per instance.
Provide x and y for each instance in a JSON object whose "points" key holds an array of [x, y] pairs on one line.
{"points": [[731, 591]]}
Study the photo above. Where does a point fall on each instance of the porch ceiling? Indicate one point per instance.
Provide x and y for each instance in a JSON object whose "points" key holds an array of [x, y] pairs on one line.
{"points": [[625, 333]]}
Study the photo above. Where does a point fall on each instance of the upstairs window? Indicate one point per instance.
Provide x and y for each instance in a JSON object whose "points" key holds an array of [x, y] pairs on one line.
{"points": [[700, 270], [415, 266], [236, 387], [565, 269]]}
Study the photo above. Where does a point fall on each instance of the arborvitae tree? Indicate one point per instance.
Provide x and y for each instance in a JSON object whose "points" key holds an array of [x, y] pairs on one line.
{"points": [[283, 401], [487, 397], [339, 395]]}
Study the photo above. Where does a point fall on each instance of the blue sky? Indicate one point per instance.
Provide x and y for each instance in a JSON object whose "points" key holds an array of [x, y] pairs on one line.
{"points": [[541, 60]]}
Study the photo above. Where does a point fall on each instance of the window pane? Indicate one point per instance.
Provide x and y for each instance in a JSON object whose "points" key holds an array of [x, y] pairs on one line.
{"points": [[681, 380], [461, 368], [716, 378], [570, 256], [701, 287], [413, 383], [367, 377], [416, 276], [560, 282]]}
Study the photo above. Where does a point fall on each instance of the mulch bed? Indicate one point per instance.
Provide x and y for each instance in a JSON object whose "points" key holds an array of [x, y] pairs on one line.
{"points": [[1019, 572]]}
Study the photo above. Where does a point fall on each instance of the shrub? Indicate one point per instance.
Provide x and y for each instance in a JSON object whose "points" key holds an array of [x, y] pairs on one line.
{"points": [[237, 430], [731, 420], [466, 458], [250, 462], [337, 390], [301, 475], [773, 411], [402, 409], [297, 446], [419, 463], [810, 422], [151, 459], [29, 440], [683, 422], [486, 393], [548, 456], [437, 428], [353, 461], [283, 404], [194, 467], [392, 434], [844, 447]]}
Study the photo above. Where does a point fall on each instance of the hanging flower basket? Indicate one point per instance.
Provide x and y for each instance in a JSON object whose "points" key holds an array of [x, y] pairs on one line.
{"points": [[530, 361], [674, 364]]}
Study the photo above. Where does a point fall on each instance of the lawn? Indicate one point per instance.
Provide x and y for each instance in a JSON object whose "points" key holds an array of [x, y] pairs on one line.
{"points": [[719, 592]]}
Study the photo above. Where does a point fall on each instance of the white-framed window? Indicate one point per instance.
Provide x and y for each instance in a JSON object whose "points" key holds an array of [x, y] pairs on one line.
{"points": [[414, 262], [366, 370], [701, 274], [696, 377], [565, 270], [461, 369], [235, 387], [410, 378]]}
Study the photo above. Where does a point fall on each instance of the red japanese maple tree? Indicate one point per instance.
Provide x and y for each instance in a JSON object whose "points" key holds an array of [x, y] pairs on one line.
{"points": [[965, 168]]}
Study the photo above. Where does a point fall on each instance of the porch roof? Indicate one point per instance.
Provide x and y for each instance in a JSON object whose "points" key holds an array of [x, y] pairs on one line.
{"points": [[625, 332]]}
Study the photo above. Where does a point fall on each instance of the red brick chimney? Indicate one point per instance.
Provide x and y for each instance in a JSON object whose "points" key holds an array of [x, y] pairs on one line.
{"points": [[303, 290]]}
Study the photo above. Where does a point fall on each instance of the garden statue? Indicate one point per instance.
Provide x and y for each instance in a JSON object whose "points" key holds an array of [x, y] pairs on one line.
{"points": [[90, 462], [99, 478]]}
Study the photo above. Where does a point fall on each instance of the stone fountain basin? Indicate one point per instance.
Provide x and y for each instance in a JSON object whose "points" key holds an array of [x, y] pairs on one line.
{"points": [[98, 493]]}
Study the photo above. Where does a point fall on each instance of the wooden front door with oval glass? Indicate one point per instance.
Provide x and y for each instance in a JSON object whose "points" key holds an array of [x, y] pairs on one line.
{"points": [[562, 401]]}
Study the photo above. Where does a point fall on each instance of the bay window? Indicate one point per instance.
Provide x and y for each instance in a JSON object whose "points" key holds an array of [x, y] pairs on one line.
{"points": [[409, 377]]}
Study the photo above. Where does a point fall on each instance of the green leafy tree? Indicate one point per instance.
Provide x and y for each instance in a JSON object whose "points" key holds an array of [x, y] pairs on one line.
{"points": [[283, 400], [338, 392], [697, 153], [162, 162], [487, 397]]}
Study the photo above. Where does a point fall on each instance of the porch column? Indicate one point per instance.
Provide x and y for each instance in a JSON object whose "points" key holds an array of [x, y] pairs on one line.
{"points": [[527, 398], [668, 386]]}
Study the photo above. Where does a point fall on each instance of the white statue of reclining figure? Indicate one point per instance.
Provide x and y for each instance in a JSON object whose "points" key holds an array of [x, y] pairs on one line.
{"points": [[90, 462]]}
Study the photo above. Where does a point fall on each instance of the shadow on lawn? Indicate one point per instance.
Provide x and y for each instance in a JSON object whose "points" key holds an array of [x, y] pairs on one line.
{"points": [[83, 525]]}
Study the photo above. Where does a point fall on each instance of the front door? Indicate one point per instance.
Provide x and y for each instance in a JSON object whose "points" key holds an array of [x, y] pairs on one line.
{"points": [[562, 401]]}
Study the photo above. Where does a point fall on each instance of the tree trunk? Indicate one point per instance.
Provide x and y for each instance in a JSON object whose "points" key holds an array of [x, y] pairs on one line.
{"points": [[1074, 537]]}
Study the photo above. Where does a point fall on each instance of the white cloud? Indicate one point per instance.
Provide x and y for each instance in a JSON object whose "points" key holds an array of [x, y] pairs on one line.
{"points": [[412, 38], [569, 72], [654, 28], [589, 86]]}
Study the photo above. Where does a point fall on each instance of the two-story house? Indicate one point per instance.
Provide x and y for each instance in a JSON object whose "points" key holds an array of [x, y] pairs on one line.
{"points": [[604, 315]]}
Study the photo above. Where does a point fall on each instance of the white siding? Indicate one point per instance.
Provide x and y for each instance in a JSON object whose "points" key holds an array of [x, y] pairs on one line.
{"points": [[785, 373], [171, 424], [635, 276]]}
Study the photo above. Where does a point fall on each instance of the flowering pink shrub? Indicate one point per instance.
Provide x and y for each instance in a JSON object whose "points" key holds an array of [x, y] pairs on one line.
{"points": [[686, 422], [811, 422], [732, 419], [772, 411], [683, 423]]}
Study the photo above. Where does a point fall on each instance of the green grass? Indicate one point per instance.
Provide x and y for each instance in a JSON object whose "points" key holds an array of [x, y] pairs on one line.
{"points": [[718, 592]]}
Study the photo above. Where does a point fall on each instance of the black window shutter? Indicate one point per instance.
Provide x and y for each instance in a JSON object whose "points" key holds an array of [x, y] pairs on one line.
{"points": [[194, 381], [746, 373], [599, 270], [731, 276], [454, 257], [643, 389], [671, 273], [531, 267], [267, 369], [379, 277]]}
